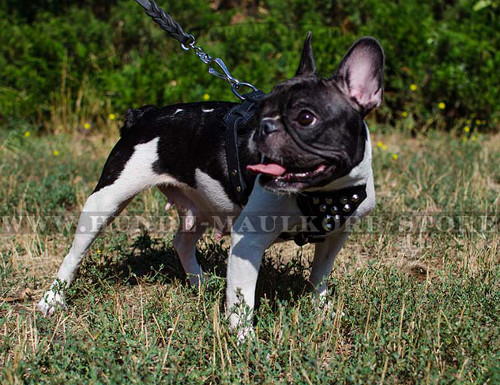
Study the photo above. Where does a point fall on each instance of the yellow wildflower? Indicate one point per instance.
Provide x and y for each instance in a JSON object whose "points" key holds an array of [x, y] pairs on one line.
{"points": [[473, 138], [413, 87], [395, 156], [86, 125], [27, 134], [384, 147], [55, 152], [467, 129], [379, 144], [478, 122], [112, 116], [206, 97], [441, 105], [405, 114]]}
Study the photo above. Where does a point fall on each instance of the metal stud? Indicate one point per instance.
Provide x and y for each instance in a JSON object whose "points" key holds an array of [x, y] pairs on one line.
{"points": [[316, 201], [334, 210], [343, 200], [328, 201], [337, 218], [234, 172], [322, 208], [238, 188], [355, 198], [327, 225], [347, 208]]}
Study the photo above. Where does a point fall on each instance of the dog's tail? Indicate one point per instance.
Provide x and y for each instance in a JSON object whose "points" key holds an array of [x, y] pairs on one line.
{"points": [[133, 115]]}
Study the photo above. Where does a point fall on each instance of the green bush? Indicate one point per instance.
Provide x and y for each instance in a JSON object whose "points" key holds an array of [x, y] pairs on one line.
{"points": [[95, 57]]}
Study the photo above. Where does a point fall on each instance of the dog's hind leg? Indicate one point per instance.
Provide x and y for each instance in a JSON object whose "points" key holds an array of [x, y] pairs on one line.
{"points": [[185, 245], [121, 180], [188, 233]]}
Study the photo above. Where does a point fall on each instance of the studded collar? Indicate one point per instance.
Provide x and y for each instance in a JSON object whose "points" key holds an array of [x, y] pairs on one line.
{"points": [[327, 211]]}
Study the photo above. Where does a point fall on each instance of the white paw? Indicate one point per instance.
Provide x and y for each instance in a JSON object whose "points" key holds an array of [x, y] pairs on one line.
{"points": [[241, 325], [244, 333], [51, 302], [323, 304]]}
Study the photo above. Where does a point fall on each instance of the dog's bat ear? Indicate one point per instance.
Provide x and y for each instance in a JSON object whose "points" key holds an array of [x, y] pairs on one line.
{"points": [[307, 66], [360, 73]]}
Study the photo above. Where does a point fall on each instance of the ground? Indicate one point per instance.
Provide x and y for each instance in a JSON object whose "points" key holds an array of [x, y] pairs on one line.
{"points": [[414, 294]]}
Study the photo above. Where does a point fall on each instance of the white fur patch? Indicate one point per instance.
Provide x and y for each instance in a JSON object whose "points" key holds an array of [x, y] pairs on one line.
{"points": [[272, 118], [136, 176], [209, 110], [252, 146], [178, 110], [212, 191]]}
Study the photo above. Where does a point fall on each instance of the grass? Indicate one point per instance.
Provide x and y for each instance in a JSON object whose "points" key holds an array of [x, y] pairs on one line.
{"points": [[414, 299]]}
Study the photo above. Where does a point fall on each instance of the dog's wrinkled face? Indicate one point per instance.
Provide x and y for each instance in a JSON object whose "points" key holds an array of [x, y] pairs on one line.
{"points": [[311, 129]]}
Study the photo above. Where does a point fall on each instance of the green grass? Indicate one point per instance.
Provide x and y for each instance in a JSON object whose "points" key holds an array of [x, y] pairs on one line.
{"points": [[406, 307], [67, 63]]}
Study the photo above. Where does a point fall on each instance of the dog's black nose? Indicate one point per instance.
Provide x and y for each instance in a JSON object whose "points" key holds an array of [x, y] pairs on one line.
{"points": [[268, 127]]}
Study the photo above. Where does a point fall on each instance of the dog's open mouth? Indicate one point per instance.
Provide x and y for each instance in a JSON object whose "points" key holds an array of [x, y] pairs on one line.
{"points": [[279, 172]]}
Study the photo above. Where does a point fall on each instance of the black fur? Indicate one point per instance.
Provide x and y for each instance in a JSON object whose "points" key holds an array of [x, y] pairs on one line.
{"points": [[335, 137], [188, 140], [133, 115]]}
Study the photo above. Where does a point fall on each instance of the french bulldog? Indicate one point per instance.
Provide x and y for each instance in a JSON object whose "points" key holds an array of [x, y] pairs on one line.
{"points": [[307, 147]]}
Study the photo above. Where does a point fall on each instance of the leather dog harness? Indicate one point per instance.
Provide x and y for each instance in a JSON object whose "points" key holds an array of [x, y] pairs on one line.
{"points": [[325, 211], [237, 117]]}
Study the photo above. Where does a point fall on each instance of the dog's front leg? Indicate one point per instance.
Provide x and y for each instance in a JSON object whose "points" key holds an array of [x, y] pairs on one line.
{"points": [[258, 226], [324, 257], [244, 262], [326, 252]]}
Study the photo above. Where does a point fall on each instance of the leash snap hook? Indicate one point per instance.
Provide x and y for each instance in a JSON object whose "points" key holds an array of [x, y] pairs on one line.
{"points": [[223, 73], [226, 75]]}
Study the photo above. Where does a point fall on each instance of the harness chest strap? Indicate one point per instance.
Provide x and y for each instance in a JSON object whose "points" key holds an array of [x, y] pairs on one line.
{"points": [[327, 211]]}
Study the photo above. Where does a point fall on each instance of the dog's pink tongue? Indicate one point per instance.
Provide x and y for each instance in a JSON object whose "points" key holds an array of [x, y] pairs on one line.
{"points": [[269, 169]]}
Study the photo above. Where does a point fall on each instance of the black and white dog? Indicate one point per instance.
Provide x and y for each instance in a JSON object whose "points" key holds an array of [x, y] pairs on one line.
{"points": [[308, 137]]}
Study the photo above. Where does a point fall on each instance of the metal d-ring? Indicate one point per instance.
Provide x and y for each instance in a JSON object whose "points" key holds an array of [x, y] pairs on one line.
{"points": [[236, 86]]}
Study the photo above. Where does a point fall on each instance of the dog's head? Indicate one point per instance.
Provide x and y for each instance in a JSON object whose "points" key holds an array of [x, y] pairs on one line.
{"points": [[311, 128]]}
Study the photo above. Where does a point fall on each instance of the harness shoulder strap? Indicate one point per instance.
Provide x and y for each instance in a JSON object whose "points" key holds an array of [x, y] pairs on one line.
{"points": [[237, 117]]}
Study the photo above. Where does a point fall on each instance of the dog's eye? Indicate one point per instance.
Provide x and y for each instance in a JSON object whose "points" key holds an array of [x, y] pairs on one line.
{"points": [[306, 118]]}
